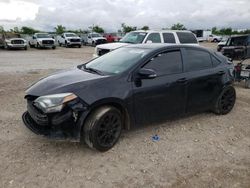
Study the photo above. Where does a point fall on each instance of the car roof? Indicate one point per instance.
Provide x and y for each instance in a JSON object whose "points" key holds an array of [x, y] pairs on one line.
{"points": [[160, 46], [235, 36], [163, 31]]}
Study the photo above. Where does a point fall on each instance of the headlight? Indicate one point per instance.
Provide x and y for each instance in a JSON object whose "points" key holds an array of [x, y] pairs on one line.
{"points": [[53, 103], [8, 41]]}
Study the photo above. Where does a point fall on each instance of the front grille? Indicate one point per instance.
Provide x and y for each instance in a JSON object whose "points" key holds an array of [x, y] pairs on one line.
{"points": [[48, 42], [17, 42], [101, 41], [102, 51], [75, 40], [39, 117]]}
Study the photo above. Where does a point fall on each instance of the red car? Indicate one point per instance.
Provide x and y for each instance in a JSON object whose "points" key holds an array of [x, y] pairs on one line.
{"points": [[112, 37]]}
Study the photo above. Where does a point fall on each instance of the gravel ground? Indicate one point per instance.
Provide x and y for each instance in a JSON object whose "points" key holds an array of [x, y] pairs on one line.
{"points": [[203, 150]]}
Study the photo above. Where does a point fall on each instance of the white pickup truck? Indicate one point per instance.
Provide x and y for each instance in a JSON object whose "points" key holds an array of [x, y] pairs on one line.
{"points": [[142, 36], [42, 40], [93, 39], [69, 39]]}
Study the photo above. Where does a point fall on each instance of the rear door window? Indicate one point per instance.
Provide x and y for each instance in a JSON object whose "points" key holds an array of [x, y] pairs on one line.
{"points": [[197, 60], [168, 38], [186, 38], [154, 37], [166, 63]]}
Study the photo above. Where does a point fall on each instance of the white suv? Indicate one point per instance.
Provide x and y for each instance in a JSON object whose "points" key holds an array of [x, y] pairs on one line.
{"points": [[141, 36]]}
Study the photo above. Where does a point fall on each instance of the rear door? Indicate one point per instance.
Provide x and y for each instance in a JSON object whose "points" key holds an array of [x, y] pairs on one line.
{"points": [[157, 99], [204, 80]]}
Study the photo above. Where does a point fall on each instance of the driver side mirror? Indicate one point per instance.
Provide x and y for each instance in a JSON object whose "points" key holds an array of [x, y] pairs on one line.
{"points": [[149, 42], [147, 73], [33, 37], [62, 36], [89, 37]]}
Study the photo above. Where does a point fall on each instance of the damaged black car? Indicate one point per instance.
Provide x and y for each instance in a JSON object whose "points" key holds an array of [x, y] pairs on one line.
{"points": [[128, 87]]}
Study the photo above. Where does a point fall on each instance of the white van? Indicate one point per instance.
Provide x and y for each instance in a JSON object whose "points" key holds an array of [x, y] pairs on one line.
{"points": [[150, 36]]}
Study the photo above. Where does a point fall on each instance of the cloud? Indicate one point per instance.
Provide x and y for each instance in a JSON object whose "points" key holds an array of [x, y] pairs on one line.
{"points": [[75, 14]]}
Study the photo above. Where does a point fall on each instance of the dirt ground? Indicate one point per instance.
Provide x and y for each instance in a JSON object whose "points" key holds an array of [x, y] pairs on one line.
{"points": [[203, 150]]}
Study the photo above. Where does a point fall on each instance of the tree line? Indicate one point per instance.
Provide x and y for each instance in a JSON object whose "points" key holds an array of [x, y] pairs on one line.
{"points": [[59, 29]]}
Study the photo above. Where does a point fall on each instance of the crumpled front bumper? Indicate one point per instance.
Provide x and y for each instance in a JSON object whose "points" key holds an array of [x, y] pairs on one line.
{"points": [[64, 125]]}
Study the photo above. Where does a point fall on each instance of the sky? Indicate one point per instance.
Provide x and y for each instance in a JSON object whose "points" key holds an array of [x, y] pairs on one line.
{"points": [[109, 14]]}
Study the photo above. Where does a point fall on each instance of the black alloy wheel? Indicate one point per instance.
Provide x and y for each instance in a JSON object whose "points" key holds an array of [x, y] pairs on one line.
{"points": [[226, 101], [103, 128]]}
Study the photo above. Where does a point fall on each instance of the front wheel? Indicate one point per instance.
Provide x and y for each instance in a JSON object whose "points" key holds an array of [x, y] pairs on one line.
{"points": [[54, 47], [103, 128], [226, 100]]}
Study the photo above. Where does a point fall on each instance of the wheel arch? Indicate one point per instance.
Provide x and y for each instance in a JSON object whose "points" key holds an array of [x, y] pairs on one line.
{"points": [[114, 102]]}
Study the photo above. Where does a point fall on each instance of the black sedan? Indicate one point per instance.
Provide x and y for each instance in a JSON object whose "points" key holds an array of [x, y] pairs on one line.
{"points": [[128, 87]]}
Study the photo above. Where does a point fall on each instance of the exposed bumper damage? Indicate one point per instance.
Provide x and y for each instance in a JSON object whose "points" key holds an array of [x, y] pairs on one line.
{"points": [[64, 125]]}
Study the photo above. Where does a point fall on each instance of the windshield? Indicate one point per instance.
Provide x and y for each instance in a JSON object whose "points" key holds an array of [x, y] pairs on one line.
{"points": [[95, 35], [117, 61], [134, 37], [71, 35], [43, 35]]}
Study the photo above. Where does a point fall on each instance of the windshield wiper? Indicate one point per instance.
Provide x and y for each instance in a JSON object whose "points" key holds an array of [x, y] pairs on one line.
{"points": [[92, 70]]}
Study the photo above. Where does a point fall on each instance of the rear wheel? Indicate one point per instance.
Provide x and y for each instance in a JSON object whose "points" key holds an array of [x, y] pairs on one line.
{"points": [[225, 101], [103, 128], [247, 83]]}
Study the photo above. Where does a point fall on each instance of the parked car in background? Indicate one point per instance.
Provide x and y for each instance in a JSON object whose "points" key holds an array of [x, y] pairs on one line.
{"points": [[42, 40], [128, 87], [69, 39], [112, 37], [93, 39], [202, 35], [150, 36], [237, 47], [214, 38], [222, 43], [12, 41]]}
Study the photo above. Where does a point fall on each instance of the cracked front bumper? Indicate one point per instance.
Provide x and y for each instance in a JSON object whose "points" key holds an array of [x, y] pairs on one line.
{"points": [[65, 125]]}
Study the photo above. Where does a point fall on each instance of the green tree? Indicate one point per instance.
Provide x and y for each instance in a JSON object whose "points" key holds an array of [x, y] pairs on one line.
{"points": [[127, 29], [178, 26], [28, 30], [60, 29], [1, 28], [97, 29], [145, 28]]}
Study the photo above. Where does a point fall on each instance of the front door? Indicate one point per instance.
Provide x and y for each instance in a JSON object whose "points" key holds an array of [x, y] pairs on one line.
{"points": [[164, 96]]}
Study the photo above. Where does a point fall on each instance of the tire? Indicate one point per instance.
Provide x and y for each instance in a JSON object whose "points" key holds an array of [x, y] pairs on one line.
{"points": [[25, 48], [247, 83], [60, 44], [103, 128], [37, 45], [79, 46], [53, 47], [31, 46], [215, 40], [225, 102]]}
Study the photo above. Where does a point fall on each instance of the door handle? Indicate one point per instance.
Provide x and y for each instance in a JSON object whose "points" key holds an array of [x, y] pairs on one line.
{"points": [[220, 73], [182, 80]]}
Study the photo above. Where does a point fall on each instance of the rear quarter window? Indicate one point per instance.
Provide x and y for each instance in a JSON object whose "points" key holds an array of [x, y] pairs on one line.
{"points": [[186, 38], [197, 60]]}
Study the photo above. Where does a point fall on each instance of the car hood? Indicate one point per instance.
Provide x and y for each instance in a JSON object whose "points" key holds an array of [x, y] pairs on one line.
{"points": [[16, 39], [40, 39], [73, 37], [98, 38], [64, 81], [112, 46]]}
